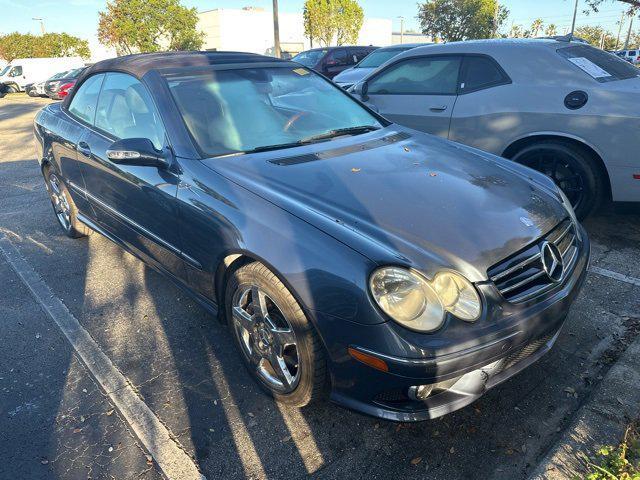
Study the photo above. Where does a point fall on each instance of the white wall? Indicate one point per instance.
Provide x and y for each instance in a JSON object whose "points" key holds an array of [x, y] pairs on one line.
{"points": [[252, 30]]}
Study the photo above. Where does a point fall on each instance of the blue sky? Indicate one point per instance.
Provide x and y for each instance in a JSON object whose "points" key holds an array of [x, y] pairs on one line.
{"points": [[80, 17]]}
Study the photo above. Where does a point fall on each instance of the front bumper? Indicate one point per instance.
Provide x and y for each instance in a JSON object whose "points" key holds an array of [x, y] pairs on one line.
{"points": [[465, 374]]}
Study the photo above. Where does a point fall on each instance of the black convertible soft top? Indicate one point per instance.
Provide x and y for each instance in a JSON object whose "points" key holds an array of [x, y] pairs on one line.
{"points": [[139, 64]]}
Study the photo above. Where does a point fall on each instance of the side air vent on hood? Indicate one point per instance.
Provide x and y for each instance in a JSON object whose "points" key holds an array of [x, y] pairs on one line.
{"points": [[336, 152]]}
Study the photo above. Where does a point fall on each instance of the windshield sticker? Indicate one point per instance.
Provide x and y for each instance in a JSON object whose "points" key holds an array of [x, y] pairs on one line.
{"points": [[301, 71], [589, 67]]}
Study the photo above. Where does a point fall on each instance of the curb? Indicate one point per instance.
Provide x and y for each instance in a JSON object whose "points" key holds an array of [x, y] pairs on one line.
{"points": [[600, 421]]}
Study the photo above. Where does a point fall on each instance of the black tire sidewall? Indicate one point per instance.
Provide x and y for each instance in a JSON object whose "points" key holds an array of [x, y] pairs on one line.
{"points": [[581, 163], [257, 274]]}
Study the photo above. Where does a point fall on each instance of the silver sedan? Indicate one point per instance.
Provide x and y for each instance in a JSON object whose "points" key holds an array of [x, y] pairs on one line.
{"points": [[564, 108]]}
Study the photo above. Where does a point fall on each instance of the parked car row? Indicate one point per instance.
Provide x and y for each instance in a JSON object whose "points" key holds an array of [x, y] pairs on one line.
{"points": [[398, 273], [30, 74]]}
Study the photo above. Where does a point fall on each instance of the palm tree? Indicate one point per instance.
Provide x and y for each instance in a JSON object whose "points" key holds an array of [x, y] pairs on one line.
{"points": [[536, 27]]}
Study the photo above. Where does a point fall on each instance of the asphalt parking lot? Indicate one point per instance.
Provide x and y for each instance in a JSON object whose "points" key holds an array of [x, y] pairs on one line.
{"points": [[58, 422]]}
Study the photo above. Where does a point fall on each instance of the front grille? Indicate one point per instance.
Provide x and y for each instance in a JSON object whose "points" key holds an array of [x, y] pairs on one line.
{"points": [[522, 277]]}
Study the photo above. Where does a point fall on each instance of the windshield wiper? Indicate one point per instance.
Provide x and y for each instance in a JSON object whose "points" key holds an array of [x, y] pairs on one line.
{"points": [[314, 138], [278, 146], [338, 132]]}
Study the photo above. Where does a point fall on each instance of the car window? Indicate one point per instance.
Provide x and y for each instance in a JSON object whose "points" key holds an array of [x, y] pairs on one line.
{"points": [[83, 104], [5, 70], [481, 72], [378, 57], [233, 111], [16, 71], [598, 64], [361, 53], [125, 110], [340, 57], [309, 58], [418, 76], [632, 53]]}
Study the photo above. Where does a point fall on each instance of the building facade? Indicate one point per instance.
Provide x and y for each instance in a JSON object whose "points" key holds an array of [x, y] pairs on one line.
{"points": [[251, 30]]}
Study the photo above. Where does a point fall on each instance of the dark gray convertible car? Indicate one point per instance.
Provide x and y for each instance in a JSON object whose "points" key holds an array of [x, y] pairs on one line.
{"points": [[400, 273]]}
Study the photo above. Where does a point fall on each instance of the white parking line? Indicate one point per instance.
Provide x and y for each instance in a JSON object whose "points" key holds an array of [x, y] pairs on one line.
{"points": [[173, 461], [615, 275]]}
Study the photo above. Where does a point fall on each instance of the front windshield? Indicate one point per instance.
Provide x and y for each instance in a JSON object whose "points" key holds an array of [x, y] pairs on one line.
{"points": [[310, 58], [5, 70], [378, 57], [235, 111]]}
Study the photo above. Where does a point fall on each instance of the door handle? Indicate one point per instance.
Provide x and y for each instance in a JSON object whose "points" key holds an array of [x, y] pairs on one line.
{"points": [[441, 108], [84, 149]]}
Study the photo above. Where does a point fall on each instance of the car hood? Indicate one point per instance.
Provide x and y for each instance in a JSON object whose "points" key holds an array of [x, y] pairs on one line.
{"points": [[352, 75], [400, 196]]}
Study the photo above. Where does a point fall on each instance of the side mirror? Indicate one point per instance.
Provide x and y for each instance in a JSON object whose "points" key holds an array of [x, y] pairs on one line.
{"points": [[136, 151], [362, 89]]}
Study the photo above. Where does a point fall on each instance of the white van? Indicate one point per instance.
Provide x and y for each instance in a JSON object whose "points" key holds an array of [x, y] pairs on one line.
{"points": [[630, 55], [23, 71]]}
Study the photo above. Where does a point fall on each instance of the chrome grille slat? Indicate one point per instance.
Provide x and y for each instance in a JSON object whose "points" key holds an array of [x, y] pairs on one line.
{"points": [[515, 267], [562, 235], [521, 277], [521, 283]]}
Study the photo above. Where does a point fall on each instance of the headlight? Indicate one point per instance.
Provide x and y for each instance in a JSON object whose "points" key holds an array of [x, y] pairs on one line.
{"points": [[420, 304]]}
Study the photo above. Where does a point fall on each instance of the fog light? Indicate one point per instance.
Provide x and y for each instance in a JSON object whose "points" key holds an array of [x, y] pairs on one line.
{"points": [[420, 392]]}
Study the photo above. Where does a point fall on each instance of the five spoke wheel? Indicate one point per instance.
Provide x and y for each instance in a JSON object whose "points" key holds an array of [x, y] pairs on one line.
{"points": [[60, 204], [267, 338]]}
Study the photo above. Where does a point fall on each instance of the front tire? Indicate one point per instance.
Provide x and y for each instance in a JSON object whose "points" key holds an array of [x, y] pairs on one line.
{"points": [[278, 344], [572, 168], [63, 206]]}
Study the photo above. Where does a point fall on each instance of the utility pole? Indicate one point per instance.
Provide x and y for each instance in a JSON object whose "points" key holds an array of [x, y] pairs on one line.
{"points": [[276, 31], [495, 20], [575, 14], [626, 43], [41, 20], [620, 30], [401, 29]]}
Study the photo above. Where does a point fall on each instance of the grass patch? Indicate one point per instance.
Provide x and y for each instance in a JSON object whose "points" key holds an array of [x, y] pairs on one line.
{"points": [[621, 462]]}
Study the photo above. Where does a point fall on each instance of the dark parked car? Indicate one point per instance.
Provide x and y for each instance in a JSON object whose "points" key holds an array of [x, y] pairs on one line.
{"points": [[330, 61], [59, 87], [406, 273]]}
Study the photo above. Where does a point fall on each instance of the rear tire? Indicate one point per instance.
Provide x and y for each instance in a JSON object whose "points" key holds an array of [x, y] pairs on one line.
{"points": [[572, 167], [63, 206], [251, 290]]}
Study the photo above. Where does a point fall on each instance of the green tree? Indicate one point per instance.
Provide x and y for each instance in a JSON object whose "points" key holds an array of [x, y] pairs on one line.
{"points": [[455, 20], [536, 27], [25, 45], [134, 26], [594, 35], [329, 21], [551, 30]]}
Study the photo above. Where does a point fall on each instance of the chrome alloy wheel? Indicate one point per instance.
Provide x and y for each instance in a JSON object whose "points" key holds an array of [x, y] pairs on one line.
{"points": [[59, 200], [267, 338]]}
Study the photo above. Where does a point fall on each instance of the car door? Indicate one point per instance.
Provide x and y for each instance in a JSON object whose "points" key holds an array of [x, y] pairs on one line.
{"points": [[418, 92], [486, 114], [135, 203], [81, 112]]}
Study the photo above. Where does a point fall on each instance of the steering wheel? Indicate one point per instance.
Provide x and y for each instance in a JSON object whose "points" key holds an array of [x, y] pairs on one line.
{"points": [[292, 121]]}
